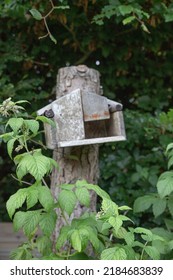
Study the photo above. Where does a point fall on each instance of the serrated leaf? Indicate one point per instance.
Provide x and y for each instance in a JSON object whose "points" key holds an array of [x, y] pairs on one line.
{"points": [[152, 252], [143, 203], [129, 238], [44, 245], [98, 191], [46, 120], [31, 196], [21, 253], [36, 164], [76, 240], [114, 254], [116, 223], [165, 184], [83, 196], [36, 14], [159, 206], [67, 201], [15, 201], [32, 219], [62, 238], [48, 222], [125, 9], [124, 208], [45, 197], [141, 230], [33, 125], [15, 123], [19, 220], [10, 146]]}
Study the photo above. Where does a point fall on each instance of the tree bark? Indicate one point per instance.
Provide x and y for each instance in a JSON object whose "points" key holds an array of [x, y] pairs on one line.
{"points": [[80, 162]]}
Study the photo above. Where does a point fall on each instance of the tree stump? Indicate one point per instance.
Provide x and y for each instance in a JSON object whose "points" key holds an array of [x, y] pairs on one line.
{"points": [[80, 162]]}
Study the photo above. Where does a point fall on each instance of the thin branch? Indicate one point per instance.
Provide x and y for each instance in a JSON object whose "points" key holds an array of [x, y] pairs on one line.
{"points": [[29, 184]]}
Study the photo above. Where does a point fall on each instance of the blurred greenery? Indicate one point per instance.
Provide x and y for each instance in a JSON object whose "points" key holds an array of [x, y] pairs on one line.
{"points": [[134, 57]]}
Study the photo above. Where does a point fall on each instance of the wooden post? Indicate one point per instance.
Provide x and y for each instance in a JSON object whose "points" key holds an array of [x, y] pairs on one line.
{"points": [[79, 162]]}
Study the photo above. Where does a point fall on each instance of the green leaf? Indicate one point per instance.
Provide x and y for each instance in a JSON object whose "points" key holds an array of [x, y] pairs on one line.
{"points": [[31, 196], [47, 222], [125, 9], [159, 206], [21, 253], [36, 14], [143, 203], [46, 120], [62, 7], [63, 236], [152, 252], [67, 201], [145, 28], [76, 240], [36, 164], [33, 125], [15, 201], [44, 245], [141, 230], [45, 197], [28, 221], [10, 146], [83, 196], [114, 254], [116, 223], [165, 184], [129, 238], [128, 20], [124, 208], [15, 123]]}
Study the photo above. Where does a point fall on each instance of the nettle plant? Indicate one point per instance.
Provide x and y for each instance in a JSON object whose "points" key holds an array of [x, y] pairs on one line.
{"points": [[109, 234]]}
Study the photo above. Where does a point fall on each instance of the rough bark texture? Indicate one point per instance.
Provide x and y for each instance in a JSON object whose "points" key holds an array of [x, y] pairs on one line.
{"points": [[80, 162]]}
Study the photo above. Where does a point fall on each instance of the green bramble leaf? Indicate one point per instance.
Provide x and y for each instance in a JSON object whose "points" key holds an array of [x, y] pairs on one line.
{"points": [[46, 120], [16, 201], [159, 206], [114, 253], [10, 146], [67, 201], [32, 125], [36, 14], [125, 9], [45, 197], [63, 236], [83, 196], [47, 222], [165, 184], [21, 253], [15, 123], [143, 203], [152, 252], [76, 241], [44, 245]]}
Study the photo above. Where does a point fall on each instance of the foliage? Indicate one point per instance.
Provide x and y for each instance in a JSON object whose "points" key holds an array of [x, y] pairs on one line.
{"points": [[106, 231]]}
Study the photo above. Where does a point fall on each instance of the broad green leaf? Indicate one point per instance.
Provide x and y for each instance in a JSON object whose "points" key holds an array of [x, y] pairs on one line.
{"points": [[10, 146], [125, 9], [15, 201], [67, 201], [45, 197], [165, 184], [33, 125], [152, 252], [31, 196], [36, 164], [143, 203], [44, 245], [15, 123], [47, 222], [46, 120], [92, 236], [108, 206], [114, 253], [97, 190], [21, 253], [124, 208], [32, 219], [83, 196], [76, 240], [19, 220], [36, 14], [128, 20], [159, 206], [63, 237], [129, 238], [116, 223], [141, 230]]}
